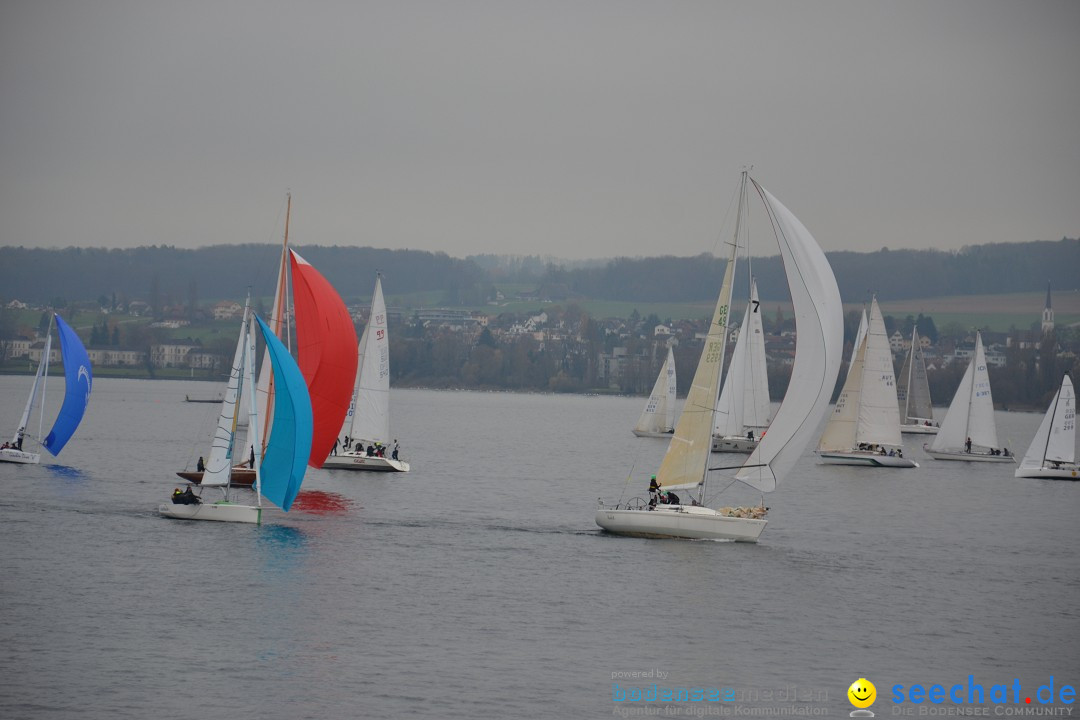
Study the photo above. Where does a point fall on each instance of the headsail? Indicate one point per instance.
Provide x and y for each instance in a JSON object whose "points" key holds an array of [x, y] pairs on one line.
{"points": [[819, 325], [282, 468], [326, 348], [78, 378]]}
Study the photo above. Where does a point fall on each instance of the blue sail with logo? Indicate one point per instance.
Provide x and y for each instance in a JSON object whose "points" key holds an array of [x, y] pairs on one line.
{"points": [[283, 465], [78, 379]]}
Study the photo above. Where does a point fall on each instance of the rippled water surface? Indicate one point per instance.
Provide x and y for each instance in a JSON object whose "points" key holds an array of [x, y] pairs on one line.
{"points": [[478, 585]]}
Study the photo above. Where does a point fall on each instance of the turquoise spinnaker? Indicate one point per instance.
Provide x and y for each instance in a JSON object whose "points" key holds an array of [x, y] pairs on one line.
{"points": [[78, 380], [285, 460]]}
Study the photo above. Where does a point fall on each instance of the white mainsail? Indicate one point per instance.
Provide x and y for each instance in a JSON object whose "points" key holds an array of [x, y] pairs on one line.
{"points": [[913, 386], [744, 401], [819, 322], [1055, 442], [369, 414], [42, 370], [219, 462], [659, 413], [971, 412]]}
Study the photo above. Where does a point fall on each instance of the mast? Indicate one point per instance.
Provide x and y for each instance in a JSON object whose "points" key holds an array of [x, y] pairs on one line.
{"points": [[253, 406], [279, 318], [725, 323], [971, 390]]}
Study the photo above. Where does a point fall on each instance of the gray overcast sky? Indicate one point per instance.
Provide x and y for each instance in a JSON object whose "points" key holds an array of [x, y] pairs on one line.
{"points": [[583, 128]]}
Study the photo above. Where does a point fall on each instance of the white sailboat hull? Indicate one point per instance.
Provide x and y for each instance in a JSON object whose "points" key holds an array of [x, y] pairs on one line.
{"points": [[680, 521], [916, 429], [361, 461], [865, 459], [645, 433], [733, 444], [12, 455], [1064, 472], [220, 512], [968, 457]]}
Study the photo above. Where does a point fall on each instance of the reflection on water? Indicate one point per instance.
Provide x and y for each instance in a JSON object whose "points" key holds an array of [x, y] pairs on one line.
{"points": [[282, 537], [320, 502], [70, 474]]}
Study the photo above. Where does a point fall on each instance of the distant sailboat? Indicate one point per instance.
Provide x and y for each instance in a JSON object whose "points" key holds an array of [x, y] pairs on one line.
{"points": [[1052, 453], [279, 471], [819, 321], [913, 392], [968, 431], [864, 428], [658, 417], [367, 423], [78, 379], [742, 412]]}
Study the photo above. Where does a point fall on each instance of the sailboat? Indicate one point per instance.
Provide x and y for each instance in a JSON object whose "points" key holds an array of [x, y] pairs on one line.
{"points": [[1052, 453], [913, 392], [820, 326], [968, 431], [326, 351], [864, 428], [367, 422], [279, 470], [658, 417], [742, 412], [78, 379]]}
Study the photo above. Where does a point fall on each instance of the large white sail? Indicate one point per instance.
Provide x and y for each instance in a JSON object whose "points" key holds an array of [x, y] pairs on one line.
{"points": [[659, 413], [744, 401], [913, 386], [219, 462], [819, 322], [971, 413], [371, 399], [1055, 442]]}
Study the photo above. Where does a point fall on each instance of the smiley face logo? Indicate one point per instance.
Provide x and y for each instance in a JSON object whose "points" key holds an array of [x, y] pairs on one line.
{"points": [[862, 693]]}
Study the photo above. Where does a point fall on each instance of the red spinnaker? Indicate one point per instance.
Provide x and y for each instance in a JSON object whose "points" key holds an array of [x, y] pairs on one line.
{"points": [[326, 346]]}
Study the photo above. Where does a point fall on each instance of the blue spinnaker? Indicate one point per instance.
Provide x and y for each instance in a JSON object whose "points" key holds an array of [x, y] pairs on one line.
{"points": [[286, 457], [78, 380]]}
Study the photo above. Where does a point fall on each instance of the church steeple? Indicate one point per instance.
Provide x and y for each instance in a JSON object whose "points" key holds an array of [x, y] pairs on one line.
{"points": [[1048, 312]]}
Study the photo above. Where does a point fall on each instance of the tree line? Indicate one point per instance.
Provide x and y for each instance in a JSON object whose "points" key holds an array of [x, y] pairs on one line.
{"points": [[174, 275]]}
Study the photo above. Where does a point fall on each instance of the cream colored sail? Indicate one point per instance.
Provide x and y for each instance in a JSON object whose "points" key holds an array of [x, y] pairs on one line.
{"points": [[688, 453]]}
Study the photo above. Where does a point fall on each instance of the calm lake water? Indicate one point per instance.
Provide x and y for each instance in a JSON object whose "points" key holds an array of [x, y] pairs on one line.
{"points": [[479, 586]]}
